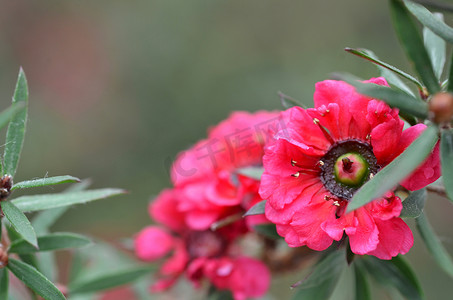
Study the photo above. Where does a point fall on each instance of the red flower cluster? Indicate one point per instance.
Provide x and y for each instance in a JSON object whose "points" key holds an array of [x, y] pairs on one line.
{"points": [[314, 165], [207, 189]]}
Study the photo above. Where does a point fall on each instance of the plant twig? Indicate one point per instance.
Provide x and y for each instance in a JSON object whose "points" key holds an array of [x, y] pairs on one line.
{"points": [[435, 5], [440, 190]]}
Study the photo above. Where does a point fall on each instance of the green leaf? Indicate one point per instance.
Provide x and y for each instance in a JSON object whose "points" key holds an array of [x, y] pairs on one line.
{"points": [[16, 128], [362, 288], [34, 280], [403, 165], [370, 56], [251, 172], [450, 76], [436, 5], [45, 182], [288, 102], [323, 291], [329, 266], [50, 242], [434, 245], [414, 204], [20, 222], [47, 201], [42, 221], [391, 74], [4, 279], [47, 265], [396, 273], [436, 48], [393, 97], [322, 281], [430, 21], [268, 230], [446, 156], [108, 280], [45, 219], [10, 112], [412, 43], [257, 209], [215, 294]]}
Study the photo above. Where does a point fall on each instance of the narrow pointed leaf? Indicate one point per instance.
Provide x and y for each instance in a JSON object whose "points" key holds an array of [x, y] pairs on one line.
{"points": [[10, 112], [435, 5], [402, 166], [322, 281], [323, 291], [35, 280], [412, 42], [20, 222], [47, 201], [329, 266], [220, 295], [450, 76], [108, 280], [436, 48], [395, 273], [42, 222], [45, 219], [50, 242], [362, 288], [45, 182], [251, 172], [446, 155], [368, 55], [16, 128], [4, 279], [435, 247], [429, 20], [393, 97], [47, 265], [414, 204], [257, 209]]}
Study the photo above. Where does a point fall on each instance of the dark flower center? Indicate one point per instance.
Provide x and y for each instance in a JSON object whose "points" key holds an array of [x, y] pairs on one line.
{"points": [[346, 166], [205, 244]]}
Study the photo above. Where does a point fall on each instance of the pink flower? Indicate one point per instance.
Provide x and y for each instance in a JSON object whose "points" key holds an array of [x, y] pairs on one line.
{"points": [[244, 276], [206, 174], [208, 189], [314, 166], [202, 254]]}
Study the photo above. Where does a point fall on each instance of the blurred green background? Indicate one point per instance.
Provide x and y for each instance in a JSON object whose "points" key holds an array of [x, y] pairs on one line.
{"points": [[118, 88]]}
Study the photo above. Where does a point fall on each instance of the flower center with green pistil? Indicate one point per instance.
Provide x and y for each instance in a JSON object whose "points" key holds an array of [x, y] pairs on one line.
{"points": [[351, 169], [346, 166]]}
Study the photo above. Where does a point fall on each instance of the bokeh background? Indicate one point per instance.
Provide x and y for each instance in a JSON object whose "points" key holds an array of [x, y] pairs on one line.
{"points": [[118, 88]]}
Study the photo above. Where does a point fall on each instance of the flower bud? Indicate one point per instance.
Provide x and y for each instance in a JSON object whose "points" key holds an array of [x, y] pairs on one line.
{"points": [[6, 183], [441, 107], [3, 257]]}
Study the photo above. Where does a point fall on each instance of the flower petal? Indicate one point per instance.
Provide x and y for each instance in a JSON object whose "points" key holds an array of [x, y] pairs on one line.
{"points": [[384, 139], [363, 233], [153, 243], [430, 170], [395, 237], [164, 209]]}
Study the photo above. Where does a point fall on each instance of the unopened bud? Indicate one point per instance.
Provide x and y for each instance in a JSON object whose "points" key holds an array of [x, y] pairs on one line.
{"points": [[6, 183], [441, 108], [3, 257]]}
